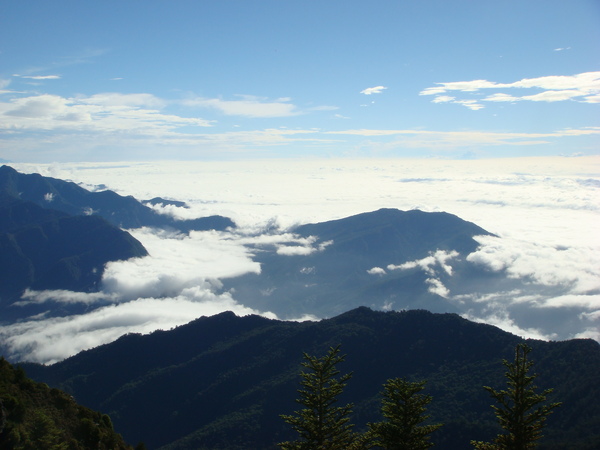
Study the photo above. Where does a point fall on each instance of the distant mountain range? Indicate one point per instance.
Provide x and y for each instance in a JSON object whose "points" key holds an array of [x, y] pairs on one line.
{"points": [[124, 212], [221, 382]]}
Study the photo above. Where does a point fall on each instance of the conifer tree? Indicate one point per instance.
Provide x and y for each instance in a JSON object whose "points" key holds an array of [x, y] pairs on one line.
{"points": [[520, 412], [322, 425], [404, 408]]}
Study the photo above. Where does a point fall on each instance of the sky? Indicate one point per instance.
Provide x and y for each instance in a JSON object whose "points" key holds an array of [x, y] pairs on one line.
{"points": [[275, 113], [233, 79]]}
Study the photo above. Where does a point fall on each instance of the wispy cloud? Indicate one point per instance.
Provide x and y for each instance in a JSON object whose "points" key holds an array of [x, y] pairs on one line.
{"points": [[460, 139], [38, 77], [109, 112], [583, 87], [373, 90], [248, 106], [53, 339]]}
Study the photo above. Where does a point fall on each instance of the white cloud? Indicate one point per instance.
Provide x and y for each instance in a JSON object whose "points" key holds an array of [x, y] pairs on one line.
{"points": [[53, 339], [123, 100], [503, 321], [248, 106], [471, 104], [62, 296], [460, 139], [590, 333], [592, 99], [555, 96], [35, 107], [588, 302], [443, 99], [583, 87], [587, 81], [294, 250], [99, 113], [373, 90], [376, 271], [428, 264], [501, 97], [177, 262], [39, 77], [437, 287], [286, 243], [463, 86], [439, 259], [573, 268]]}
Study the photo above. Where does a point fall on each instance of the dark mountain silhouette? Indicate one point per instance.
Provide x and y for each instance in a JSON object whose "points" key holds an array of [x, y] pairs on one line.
{"points": [[222, 381], [47, 249], [335, 278], [124, 212]]}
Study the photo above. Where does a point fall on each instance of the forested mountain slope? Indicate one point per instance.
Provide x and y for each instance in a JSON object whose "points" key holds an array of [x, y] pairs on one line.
{"points": [[33, 416], [222, 381]]}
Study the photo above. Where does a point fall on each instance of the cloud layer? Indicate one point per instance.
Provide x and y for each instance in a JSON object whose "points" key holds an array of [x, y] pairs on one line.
{"points": [[545, 259]]}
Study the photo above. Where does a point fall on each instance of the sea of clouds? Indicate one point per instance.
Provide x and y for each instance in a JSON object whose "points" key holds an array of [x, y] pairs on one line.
{"points": [[544, 212]]}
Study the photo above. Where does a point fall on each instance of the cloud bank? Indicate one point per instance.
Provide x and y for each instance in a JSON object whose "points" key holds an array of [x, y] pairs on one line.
{"points": [[178, 282], [543, 265]]}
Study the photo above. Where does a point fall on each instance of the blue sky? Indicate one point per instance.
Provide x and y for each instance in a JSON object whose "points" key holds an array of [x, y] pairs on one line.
{"points": [[152, 80]]}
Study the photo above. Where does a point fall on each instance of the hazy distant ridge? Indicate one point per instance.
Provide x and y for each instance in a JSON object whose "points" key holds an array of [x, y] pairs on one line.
{"points": [[349, 266], [124, 212]]}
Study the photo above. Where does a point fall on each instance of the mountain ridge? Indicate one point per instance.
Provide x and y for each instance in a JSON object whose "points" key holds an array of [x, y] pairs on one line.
{"points": [[41, 248], [336, 276], [186, 387], [124, 212]]}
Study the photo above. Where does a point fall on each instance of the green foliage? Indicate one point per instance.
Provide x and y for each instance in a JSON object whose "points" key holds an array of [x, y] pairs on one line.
{"points": [[321, 424], [404, 408], [36, 417], [106, 421], [44, 433], [520, 412]]}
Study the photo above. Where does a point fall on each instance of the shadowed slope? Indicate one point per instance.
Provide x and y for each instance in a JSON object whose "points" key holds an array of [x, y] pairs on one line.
{"points": [[222, 381]]}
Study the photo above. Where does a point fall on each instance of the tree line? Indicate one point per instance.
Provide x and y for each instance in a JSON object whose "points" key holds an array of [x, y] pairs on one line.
{"points": [[321, 424]]}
